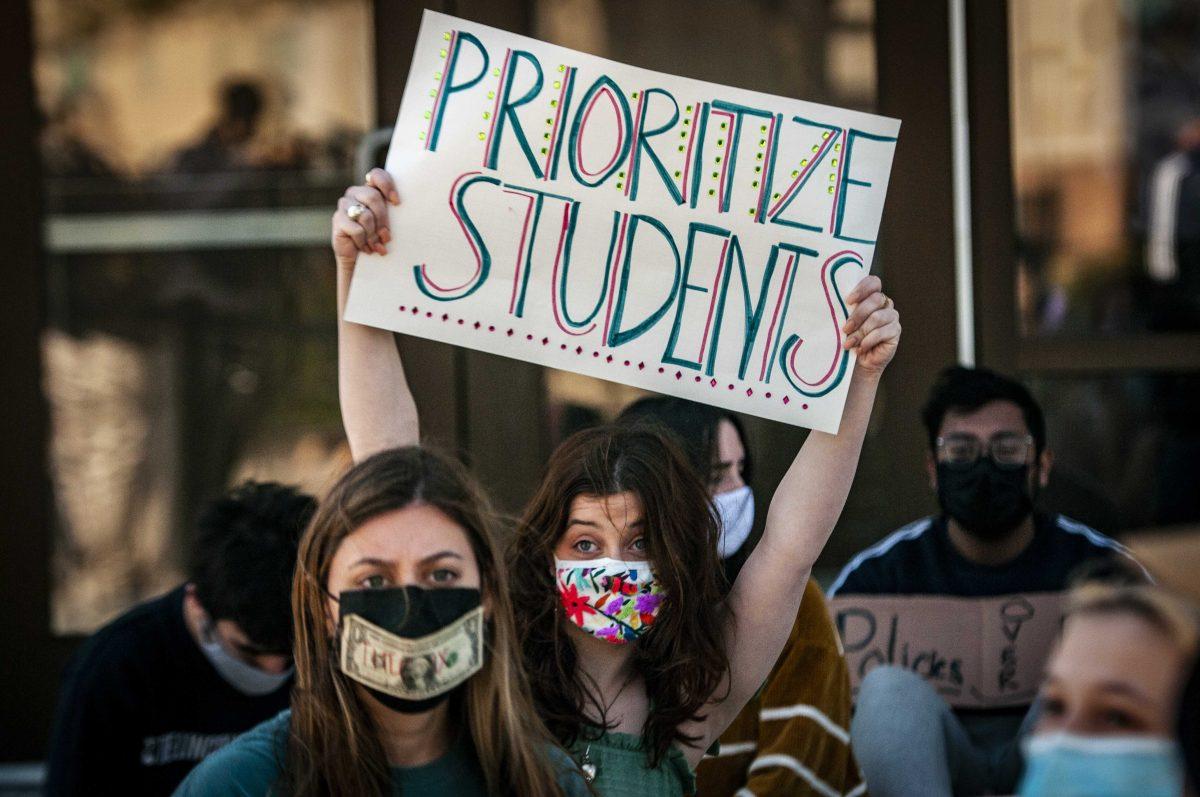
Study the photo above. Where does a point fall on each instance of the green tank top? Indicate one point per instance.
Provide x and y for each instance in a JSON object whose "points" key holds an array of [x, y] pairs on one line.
{"points": [[621, 771]]}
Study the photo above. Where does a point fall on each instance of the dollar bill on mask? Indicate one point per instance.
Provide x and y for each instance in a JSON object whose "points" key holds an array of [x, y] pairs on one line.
{"points": [[412, 669]]}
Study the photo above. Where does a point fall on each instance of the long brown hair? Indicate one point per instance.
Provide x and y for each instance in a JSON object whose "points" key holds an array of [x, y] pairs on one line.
{"points": [[333, 747], [681, 657]]}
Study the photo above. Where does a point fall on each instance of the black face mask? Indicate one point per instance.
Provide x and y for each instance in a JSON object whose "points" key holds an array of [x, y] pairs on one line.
{"points": [[410, 613], [987, 501]]}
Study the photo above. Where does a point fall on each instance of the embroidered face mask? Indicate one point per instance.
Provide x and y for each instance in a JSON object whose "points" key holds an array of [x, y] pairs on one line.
{"points": [[612, 600]]}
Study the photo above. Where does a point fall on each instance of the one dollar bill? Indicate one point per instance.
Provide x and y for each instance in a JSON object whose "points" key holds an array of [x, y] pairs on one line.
{"points": [[412, 669]]}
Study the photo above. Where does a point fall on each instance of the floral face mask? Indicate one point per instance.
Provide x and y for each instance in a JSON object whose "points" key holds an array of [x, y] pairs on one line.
{"points": [[612, 600]]}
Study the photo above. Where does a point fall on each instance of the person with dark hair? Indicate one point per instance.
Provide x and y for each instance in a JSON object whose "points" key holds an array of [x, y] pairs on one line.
{"points": [[792, 737], [408, 677], [988, 457], [224, 146], [638, 654], [174, 679]]}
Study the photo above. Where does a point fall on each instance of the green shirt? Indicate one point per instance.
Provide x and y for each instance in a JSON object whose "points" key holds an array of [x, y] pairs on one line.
{"points": [[252, 764], [621, 771]]}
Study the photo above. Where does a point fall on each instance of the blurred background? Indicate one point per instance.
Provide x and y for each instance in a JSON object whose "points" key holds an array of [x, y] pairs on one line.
{"points": [[169, 331]]}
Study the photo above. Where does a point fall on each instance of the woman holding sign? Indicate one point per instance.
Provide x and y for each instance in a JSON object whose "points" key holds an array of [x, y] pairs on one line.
{"points": [[637, 658], [408, 678]]}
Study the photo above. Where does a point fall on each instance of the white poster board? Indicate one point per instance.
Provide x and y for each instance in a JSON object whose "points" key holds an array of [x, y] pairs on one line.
{"points": [[680, 236]]}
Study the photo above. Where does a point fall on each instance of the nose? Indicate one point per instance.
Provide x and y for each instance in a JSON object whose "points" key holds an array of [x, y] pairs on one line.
{"points": [[273, 663], [731, 479]]}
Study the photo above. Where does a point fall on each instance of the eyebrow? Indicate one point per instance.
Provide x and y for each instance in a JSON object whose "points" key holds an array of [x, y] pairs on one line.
{"points": [[1127, 689], [441, 555], [591, 524], [372, 560]]}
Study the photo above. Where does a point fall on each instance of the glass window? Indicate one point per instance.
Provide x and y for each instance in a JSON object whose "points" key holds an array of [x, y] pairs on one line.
{"points": [[1106, 166], [1126, 448], [192, 154]]}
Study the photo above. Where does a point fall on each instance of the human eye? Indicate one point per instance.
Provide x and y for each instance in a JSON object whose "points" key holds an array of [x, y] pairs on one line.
{"points": [[1119, 719], [444, 576], [1053, 707], [373, 581], [959, 450], [586, 546], [638, 545]]}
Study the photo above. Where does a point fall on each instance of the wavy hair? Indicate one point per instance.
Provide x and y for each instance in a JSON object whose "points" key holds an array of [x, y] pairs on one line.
{"points": [[333, 747], [682, 656]]}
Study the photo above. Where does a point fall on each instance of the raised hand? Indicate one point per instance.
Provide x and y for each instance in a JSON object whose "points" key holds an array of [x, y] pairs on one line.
{"points": [[873, 328], [369, 232]]}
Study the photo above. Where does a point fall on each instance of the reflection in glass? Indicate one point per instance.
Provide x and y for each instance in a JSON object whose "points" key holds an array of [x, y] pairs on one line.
{"points": [[191, 152], [1106, 162]]}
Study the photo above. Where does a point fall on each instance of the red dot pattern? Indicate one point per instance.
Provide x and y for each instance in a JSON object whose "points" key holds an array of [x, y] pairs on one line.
{"points": [[579, 350]]}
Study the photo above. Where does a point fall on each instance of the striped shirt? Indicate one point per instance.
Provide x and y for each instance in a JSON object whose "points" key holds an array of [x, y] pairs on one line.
{"points": [[793, 737]]}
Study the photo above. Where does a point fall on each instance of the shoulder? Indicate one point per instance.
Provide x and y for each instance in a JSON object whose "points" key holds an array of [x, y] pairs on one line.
{"points": [[880, 557], [1084, 542], [249, 765], [128, 644]]}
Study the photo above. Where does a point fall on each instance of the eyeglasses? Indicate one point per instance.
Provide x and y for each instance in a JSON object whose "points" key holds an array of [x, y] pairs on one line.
{"points": [[1006, 450]]}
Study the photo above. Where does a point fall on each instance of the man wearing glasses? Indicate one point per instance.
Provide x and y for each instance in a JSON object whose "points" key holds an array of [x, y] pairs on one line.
{"points": [[987, 460]]}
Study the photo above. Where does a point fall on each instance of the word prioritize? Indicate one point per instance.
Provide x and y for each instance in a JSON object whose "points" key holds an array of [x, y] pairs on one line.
{"points": [[671, 234]]}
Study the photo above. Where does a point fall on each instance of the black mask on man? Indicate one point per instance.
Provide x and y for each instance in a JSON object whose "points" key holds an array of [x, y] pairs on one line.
{"points": [[988, 501], [413, 613]]}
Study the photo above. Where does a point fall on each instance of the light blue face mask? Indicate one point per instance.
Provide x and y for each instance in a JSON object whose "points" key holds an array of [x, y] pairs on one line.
{"points": [[1067, 765], [246, 678]]}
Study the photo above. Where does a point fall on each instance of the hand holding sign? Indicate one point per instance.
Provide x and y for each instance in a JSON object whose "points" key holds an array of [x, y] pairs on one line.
{"points": [[367, 231], [675, 235]]}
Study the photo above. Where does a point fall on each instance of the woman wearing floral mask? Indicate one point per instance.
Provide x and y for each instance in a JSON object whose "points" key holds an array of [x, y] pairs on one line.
{"points": [[637, 657], [1108, 706], [801, 713], [408, 677]]}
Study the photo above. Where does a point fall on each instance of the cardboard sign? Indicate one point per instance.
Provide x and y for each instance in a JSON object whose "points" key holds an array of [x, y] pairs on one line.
{"points": [[976, 652], [671, 234]]}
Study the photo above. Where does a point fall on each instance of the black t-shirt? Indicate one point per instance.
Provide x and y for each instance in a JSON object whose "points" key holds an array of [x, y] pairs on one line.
{"points": [[141, 705], [920, 559]]}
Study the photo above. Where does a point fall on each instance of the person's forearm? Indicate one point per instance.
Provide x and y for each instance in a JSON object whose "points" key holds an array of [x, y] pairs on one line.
{"points": [[378, 411], [813, 492]]}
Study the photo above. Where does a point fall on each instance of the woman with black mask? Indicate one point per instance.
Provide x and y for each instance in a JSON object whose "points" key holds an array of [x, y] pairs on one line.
{"points": [[408, 675]]}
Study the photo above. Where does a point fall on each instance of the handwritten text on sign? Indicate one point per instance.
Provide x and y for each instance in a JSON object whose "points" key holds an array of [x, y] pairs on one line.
{"points": [[671, 234], [976, 652]]}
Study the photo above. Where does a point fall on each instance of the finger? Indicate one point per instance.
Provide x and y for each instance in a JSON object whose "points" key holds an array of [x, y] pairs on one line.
{"points": [[866, 286], [364, 220], [874, 321], [373, 202], [381, 180], [342, 225], [871, 304], [889, 333], [369, 219]]}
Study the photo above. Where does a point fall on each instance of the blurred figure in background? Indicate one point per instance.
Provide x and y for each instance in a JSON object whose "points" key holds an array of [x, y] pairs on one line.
{"points": [[172, 680], [988, 458], [1108, 708], [791, 738], [225, 147]]}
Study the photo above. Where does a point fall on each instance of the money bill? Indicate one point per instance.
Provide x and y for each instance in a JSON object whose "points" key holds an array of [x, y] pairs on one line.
{"points": [[412, 669]]}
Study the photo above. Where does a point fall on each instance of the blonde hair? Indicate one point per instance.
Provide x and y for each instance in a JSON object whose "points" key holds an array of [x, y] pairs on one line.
{"points": [[333, 747], [1174, 617]]}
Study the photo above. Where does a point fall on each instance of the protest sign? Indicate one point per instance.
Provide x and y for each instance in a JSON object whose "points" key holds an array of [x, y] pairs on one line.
{"points": [[975, 652], [671, 234]]}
